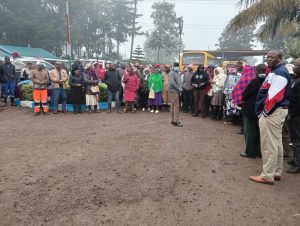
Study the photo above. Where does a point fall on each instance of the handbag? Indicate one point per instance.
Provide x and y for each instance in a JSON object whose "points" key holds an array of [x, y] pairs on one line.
{"points": [[151, 93], [94, 89]]}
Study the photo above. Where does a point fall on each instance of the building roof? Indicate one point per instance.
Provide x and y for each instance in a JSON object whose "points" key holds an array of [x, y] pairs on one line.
{"points": [[27, 52], [234, 53]]}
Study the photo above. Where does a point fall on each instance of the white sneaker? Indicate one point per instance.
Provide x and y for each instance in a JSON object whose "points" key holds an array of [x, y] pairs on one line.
{"points": [[152, 111], [149, 109], [143, 109], [157, 111]]}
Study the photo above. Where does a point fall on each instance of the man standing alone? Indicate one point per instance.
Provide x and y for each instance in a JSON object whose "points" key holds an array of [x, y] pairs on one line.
{"points": [[272, 108], [40, 93], [7, 76], [175, 89]]}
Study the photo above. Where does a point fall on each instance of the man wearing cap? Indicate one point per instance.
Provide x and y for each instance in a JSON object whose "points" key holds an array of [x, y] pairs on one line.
{"points": [[175, 88], [8, 76], [58, 77], [187, 90], [40, 92]]}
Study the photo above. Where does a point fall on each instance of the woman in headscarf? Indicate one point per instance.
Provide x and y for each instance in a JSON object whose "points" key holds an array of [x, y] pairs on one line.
{"points": [[156, 85], [132, 83], [144, 89], [91, 91], [231, 80], [76, 91], [217, 95]]}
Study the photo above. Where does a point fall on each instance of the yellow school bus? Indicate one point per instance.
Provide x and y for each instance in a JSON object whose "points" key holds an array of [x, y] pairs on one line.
{"points": [[197, 57]]}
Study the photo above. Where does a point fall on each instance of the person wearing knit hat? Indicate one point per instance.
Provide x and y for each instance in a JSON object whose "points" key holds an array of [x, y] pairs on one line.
{"points": [[175, 89], [187, 90]]}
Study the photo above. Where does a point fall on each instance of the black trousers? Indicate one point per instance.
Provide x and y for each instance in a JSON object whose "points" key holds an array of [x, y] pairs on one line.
{"points": [[188, 100], [143, 99], [294, 126], [252, 137]]}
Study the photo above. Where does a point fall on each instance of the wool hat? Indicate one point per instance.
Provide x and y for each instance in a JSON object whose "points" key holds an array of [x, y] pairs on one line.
{"points": [[290, 68], [176, 64]]}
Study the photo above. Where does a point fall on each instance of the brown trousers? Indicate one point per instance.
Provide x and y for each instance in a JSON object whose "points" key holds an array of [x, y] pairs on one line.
{"points": [[174, 97], [199, 96]]}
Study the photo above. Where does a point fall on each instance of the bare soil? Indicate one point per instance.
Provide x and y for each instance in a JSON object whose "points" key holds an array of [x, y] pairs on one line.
{"points": [[133, 169]]}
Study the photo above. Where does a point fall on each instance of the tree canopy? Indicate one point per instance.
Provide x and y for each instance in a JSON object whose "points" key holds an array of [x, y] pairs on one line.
{"points": [[164, 36], [98, 26], [274, 17]]}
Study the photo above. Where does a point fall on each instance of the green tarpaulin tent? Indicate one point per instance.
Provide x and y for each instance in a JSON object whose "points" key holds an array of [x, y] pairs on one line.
{"points": [[7, 50]]}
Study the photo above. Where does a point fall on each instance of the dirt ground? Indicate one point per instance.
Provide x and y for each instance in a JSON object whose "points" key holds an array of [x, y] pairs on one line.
{"points": [[133, 169]]}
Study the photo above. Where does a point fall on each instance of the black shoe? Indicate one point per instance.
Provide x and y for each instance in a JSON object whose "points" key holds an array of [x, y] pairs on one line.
{"points": [[291, 162], [195, 115], [293, 169], [246, 156], [173, 123], [241, 133], [178, 124]]}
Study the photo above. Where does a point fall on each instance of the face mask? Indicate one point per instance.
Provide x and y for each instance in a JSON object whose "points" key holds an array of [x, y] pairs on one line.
{"points": [[262, 75], [176, 69]]}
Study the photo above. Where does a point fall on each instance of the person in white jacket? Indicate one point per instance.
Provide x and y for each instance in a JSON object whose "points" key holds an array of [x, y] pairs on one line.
{"points": [[217, 96]]}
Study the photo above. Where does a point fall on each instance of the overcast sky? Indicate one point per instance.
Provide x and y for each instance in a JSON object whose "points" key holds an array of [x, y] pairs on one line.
{"points": [[204, 21]]}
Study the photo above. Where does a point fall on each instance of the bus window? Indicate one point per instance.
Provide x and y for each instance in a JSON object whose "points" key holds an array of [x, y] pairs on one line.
{"points": [[193, 58]]}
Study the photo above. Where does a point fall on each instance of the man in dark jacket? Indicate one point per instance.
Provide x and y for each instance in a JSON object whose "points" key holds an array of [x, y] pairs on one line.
{"points": [[113, 81], [294, 119], [251, 129], [7, 77], [199, 81]]}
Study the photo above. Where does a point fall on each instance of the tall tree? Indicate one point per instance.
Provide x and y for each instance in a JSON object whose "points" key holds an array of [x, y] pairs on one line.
{"points": [[273, 16], [243, 39], [164, 37]]}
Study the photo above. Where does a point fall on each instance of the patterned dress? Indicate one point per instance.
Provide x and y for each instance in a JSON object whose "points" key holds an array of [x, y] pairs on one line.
{"points": [[231, 81]]}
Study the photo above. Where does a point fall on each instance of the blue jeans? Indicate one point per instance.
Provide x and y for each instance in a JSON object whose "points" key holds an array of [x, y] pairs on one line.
{"points": [[110, 97], [8, 88], [56, 94]]}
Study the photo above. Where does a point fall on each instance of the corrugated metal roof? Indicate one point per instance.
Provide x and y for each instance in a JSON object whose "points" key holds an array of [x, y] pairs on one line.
{"points": [[27, 52]]}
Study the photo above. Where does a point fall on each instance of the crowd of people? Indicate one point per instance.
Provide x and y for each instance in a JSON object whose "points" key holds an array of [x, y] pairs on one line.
{"points": [[265, 99]]}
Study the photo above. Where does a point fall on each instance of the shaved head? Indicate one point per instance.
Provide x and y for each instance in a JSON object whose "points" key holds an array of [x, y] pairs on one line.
{"points": [[274, 57]]}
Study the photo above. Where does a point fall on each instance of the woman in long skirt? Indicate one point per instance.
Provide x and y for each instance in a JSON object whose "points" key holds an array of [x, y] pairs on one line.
{"points": [[76, 92], [91, 80], [156, 85], [217, 95]]}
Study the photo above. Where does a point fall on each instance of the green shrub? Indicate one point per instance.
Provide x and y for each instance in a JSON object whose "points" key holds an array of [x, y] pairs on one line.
{"points": [[27, 92]]}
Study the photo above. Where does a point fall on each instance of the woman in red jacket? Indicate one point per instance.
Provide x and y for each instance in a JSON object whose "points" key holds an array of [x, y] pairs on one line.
{"points": [[132, 83]]}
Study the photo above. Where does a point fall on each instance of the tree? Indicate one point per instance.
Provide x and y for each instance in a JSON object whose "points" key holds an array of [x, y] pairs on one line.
{"points": [[275, 16], [99, 26], [164, 36], [243, 39], [138, 55]]}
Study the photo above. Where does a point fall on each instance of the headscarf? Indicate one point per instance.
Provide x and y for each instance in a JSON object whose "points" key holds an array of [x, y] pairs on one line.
{"points": [[247, 76], [232, 70]]}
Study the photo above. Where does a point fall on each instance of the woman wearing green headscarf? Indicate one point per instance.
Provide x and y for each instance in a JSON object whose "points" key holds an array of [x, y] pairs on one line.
{"points": [[156, 85]]}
